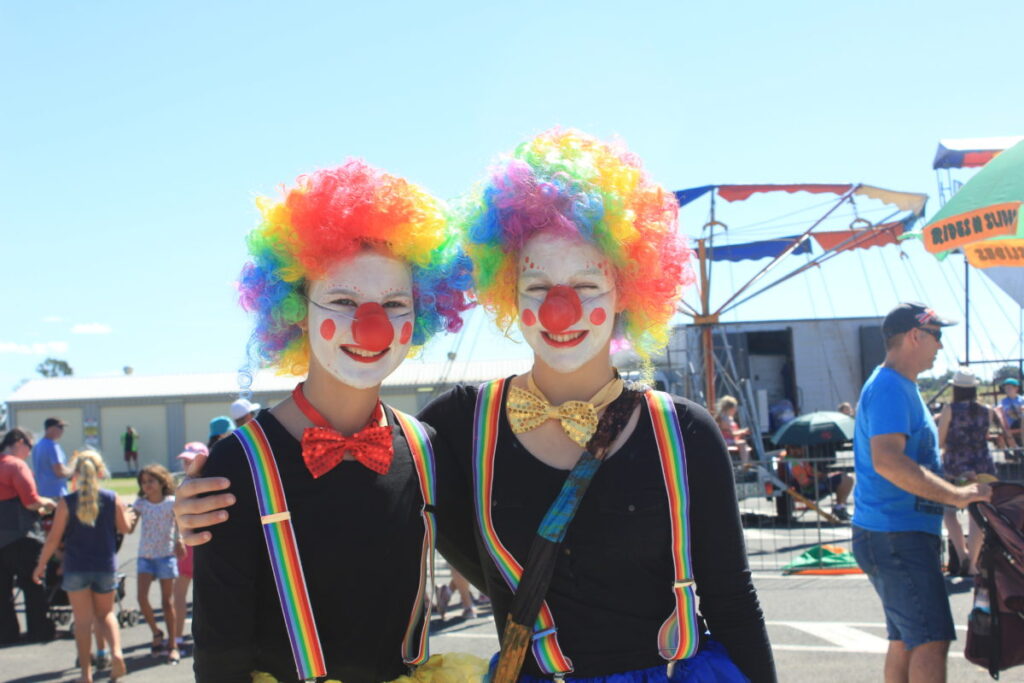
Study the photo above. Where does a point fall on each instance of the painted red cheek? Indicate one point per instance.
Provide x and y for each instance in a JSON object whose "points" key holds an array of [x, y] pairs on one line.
{"points": [[598, 316], [327, 329], [406, 333], [529, 319]]}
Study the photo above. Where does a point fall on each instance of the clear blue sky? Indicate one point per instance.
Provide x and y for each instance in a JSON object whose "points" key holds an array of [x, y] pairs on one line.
{"points": [[135, 136]]}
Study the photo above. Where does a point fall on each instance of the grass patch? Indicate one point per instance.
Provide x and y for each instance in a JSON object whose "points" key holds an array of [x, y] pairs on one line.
{"points": [[123, 486]]}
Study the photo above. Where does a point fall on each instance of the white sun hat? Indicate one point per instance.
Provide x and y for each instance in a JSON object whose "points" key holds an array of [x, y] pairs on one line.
{"points": [[964, 377]]}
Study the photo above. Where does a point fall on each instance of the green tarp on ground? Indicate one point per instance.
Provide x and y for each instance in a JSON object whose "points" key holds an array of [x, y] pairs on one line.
{"points": [[824, 559]]}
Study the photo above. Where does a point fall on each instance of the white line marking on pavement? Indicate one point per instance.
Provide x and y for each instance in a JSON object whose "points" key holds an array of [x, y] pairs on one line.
{"points": [[841, 650], [758, 576], [846, 636], [854, 624], [840, 634]]}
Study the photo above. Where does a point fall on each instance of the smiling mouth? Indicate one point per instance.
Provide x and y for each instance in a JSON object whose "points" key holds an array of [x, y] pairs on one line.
{"points": [[564, 340], [361, 355]]}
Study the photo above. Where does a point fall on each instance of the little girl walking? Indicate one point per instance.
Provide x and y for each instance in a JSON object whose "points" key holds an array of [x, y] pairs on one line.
{"points": [[158, 550]]}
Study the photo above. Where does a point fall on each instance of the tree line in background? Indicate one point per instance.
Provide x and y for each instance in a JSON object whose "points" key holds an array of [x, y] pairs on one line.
{"points": [[938, 388]]}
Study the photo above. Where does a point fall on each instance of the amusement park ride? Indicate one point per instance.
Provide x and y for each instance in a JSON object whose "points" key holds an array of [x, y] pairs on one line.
{"points": [[904, 211], [860, 234]]}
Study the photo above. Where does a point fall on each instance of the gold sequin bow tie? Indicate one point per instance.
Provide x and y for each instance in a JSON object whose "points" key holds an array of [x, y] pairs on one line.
{"points": [[530, 409]]}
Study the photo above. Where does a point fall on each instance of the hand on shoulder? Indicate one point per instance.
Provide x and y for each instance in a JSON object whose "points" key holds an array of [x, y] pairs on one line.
{"points": [[194, 508]]}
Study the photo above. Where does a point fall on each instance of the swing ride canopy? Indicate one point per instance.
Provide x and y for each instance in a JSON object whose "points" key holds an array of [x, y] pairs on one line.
{"points": [[865, 236], [906, 209]]}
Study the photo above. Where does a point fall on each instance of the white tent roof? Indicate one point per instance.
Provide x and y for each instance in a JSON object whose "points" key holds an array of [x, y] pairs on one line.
{"points": [[410, 373]]}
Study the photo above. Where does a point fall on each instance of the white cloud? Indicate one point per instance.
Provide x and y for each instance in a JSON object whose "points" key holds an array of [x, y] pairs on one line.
{"points": [[53, 319], [91, 328], [36, 349]]}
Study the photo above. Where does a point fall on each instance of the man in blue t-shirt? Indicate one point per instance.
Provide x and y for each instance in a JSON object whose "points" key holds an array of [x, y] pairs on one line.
{"points": [[49, 464], [897, 523]]}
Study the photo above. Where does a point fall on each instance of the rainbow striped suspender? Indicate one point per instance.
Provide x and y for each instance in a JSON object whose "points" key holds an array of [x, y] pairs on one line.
{"points": [[284, 555], [415, 645], [283, 552], [487, 418], [679, 636]]}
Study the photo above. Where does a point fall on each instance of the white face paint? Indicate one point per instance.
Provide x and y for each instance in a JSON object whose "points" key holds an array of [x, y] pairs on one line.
{"points": [[361, 317], [567, 300]]}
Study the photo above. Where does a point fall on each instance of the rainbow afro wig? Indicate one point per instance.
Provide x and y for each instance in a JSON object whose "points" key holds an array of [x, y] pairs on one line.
{"points": [[329, 215], [569, 183]]}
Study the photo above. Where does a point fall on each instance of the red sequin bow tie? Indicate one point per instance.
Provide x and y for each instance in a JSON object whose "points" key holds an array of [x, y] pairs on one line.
{"points": [[323, 449]]}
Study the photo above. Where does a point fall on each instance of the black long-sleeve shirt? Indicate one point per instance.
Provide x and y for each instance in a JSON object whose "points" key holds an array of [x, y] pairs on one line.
{"points": [[612, 585], [359, 536]]}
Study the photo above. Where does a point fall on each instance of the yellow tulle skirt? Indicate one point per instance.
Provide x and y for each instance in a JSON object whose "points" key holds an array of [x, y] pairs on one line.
{"points": [[449, 667]]}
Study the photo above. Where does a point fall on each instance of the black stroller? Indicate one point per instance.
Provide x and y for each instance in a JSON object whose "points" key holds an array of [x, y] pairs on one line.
{"points": [[995, 628]]}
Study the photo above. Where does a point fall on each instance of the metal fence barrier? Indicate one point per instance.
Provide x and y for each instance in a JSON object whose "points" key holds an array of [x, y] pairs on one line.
{"points": [[779, 526]]}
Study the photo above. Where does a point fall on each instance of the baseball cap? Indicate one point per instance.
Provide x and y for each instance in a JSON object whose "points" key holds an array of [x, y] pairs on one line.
{"points": [[243, 407], [1010, 380], [53, 422], [908, 316], [221, 424], [192, 449]]}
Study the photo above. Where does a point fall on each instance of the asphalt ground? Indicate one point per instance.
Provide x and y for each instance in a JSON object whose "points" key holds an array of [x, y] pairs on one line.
{"points": [[822, 629]]}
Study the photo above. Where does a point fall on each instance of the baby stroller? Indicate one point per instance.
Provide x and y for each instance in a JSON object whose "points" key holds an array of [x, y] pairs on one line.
{"points": [[995, 627]]}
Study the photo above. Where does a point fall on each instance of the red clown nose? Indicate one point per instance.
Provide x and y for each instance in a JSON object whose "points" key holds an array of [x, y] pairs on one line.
{"points": [[372, 328], [561, 309]]}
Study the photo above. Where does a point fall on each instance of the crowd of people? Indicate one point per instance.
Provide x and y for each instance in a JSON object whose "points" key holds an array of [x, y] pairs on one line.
{"points": [[598, 515], [60, 533]]}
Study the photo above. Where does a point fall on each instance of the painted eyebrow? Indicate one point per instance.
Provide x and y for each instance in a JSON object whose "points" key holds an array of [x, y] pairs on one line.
{"points": [[588, 272], [534, 273], [341, 290], [350, 292]]}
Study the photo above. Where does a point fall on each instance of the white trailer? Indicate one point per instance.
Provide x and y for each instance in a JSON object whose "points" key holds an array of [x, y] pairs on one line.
{"points": [[815, 364]]}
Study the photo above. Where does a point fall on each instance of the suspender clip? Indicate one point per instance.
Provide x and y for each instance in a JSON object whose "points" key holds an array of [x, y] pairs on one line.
{"points": [[276, 517], [683, 583], [670, 669], [541, 634]]}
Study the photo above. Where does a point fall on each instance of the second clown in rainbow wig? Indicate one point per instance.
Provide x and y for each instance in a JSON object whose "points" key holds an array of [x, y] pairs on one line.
{"points": [[567, 183], [331, 214]]}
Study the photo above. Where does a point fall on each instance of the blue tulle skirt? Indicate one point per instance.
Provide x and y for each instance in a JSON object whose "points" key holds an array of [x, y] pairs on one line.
{"points": [[710, 665]]}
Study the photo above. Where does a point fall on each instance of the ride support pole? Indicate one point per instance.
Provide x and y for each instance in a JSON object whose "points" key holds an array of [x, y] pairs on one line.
{"points": [[708, 348]]}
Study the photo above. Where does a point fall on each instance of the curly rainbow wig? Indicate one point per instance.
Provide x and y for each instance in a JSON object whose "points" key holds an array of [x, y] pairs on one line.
{"points": [[569, 183], [329, 215]]}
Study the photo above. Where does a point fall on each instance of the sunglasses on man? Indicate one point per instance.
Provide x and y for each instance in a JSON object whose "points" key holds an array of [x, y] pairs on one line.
{"points": [[937, 334]]}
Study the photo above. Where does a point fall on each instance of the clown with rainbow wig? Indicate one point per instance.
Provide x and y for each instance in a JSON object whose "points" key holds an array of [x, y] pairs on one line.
{"points": [[605, 508], [320, 570]]}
